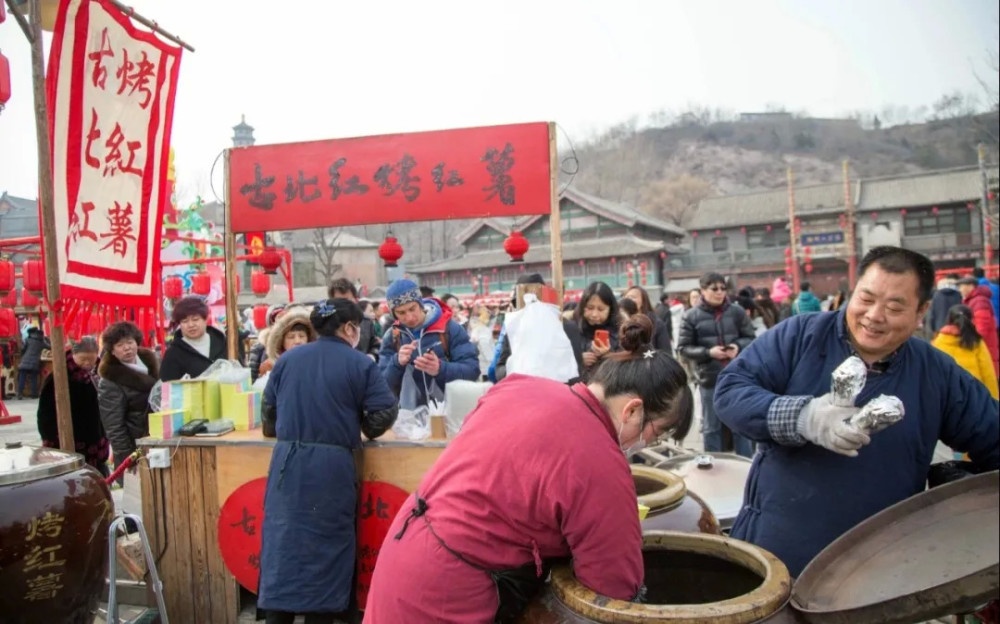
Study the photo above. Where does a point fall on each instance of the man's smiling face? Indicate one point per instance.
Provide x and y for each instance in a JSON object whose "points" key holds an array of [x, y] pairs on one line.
{"points": [[884, 311]]}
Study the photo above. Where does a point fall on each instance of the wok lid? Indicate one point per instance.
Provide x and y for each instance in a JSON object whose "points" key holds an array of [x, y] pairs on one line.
{"points": [[719, 478], [931, 555], [20, 463]]}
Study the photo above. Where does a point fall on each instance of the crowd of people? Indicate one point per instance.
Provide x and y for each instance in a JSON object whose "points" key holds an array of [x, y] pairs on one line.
{"points": [[758, 361]]}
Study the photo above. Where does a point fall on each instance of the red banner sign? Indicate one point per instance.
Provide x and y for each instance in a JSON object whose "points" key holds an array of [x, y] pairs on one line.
{"points": [[111, 95], [448, 174], [380, 502]]}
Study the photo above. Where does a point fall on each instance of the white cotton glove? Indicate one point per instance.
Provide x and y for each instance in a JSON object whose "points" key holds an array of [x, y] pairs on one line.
{"points": [[822, 423]]}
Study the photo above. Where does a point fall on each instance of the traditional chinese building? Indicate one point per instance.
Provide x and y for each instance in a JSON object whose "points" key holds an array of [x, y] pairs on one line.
{"points": [[18, 218], [601, 241], [746, 236]]}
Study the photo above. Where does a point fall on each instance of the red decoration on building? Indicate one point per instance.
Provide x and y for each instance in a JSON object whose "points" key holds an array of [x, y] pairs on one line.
{"points": [[612, 259], [201, 284], [32, 276], [8, 323], [902, 211], [694, 234], [874, 216], [935, 210], [516, 246], [173, 287], [260, 283], [718, 232], [28, 299], [768, 227], [10, 299], [663, 255], [390, 250], [6, 276], [5, 90], [809, 267], [743, 229], [971, 205], [788, 252], [260, 316], [642, 273], [269, 260]]}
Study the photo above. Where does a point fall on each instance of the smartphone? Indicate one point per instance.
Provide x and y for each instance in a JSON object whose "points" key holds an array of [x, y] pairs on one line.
{"points": [[194, 427], [602, 337]]}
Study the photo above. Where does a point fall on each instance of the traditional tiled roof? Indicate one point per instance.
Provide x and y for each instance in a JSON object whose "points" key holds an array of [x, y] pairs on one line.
{"points": [[922, 189], [625, 214], [766, 207], [572, 250]]}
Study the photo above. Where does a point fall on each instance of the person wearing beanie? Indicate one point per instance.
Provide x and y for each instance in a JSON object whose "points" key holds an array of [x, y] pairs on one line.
{"points": [[258, 352], [319, 400], [424, 348], [195, 344], [88, 433]]}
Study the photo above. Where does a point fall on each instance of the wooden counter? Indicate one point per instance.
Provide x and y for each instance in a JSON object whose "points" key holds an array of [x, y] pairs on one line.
{"points": [[181, 507]]}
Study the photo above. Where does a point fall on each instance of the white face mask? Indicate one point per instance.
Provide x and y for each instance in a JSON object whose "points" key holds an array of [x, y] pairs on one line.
{"points": [[636, 446], [357, 337]]}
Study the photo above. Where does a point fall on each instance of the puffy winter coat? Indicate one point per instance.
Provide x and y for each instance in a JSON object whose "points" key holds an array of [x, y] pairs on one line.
{"points": [[181, 358], [88, 432], [975, 361], [31, 352], [704, 327], [124, 398], [982, 317]]}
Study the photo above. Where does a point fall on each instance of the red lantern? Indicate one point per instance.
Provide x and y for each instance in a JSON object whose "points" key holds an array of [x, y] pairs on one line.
{"points": [[642, 273], [260, 316], [6, 276], [390, 250], [874, 216], [4, 79], [694, 234], [28, 299], [582, 263], [8, 323], [935, 210], [10, 299], [32, 276], [173, 287], [971, 205], [260, 283], [201, 284], [718, 232], [902, 211], [743, 229], [809, 267], [612, 259], [663, 255], [768, 227], [516, 246], [269, 260], [788, 252]]}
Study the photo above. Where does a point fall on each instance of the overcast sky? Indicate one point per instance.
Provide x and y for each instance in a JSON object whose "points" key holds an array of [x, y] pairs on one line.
{"points": [[325, 69]]}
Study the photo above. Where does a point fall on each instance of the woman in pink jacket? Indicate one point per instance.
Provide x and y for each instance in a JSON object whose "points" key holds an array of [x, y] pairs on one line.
{"points": [[539, 472]]}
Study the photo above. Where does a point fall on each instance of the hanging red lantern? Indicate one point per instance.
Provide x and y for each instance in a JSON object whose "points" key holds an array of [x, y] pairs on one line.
{"points": [[516, 245], [173, 287], [390, 250], [28, 299], [809, 267], [612, 259], [642, 273], [971, 205], [5, 89], [32, 276], [201, 284], [718, 232], [663, 255], [8, 323], [743, 229], [788, 252], [269, 260], [694, 234], [935, 210], [768, 227], [582, 263], [260, 283], [6, 276], [874, 216], [902, 211], [260, 316], [10, 299]]}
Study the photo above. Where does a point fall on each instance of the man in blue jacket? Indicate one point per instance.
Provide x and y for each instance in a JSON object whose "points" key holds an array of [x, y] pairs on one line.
{"points": [[815, 477], [424, 348]]}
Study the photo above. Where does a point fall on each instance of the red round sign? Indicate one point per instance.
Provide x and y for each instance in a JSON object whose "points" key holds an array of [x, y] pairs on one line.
{"points": [[378, 504], [240, 521]]}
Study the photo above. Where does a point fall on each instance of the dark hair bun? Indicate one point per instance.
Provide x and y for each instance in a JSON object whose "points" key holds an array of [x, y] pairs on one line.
{"points": [[636, 333]]}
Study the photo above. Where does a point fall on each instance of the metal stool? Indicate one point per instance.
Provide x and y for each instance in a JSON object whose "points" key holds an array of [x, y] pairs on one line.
{"points": [[154, 578]]}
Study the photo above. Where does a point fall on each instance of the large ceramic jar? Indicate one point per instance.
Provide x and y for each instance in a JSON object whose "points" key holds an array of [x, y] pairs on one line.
{"points": [[672, 507], [54, 517], [718, 478], [690, 578]]}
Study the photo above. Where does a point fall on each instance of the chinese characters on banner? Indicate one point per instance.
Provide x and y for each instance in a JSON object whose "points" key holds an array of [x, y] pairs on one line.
{"points": [[448, 174], [240, 520], [379, 502], [111, 94]]}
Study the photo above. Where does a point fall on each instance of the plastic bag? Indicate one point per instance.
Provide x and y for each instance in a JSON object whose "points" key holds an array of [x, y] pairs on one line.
{"points": [[538, 344], [261, 382], [414, 421], [461, 397], [226, 371]]}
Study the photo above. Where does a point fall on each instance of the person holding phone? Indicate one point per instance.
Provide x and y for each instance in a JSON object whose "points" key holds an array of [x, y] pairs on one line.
{"points": [[712, 334], [598, 319]]}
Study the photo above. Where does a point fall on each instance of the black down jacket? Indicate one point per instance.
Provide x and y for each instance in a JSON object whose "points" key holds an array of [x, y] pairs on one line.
{"points": [[123, 394], [704, 327]]}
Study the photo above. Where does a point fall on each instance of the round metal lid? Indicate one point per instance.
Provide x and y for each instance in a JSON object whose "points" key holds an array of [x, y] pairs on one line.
{"points": [[20, 463], [718, 478]]}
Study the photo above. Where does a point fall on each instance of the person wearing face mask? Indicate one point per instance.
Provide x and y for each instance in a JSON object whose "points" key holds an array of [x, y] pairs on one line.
{"points": [[815, 477], [128, 372], [320, 397], [290, 330], [88, 432], [195, 344], [538, 473]]}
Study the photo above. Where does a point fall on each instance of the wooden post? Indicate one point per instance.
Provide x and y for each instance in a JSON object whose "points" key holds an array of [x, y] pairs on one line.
{"points": [[849, 230], [60, 375], [793, 234], [984, 205], [555, 224], [232, 313]]}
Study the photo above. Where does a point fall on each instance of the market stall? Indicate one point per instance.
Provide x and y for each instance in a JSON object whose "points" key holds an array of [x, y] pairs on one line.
{"points": [[203, 513]]}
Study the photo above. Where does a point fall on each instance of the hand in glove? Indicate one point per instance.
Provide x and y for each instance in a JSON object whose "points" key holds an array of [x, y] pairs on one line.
{"points": [[822, 423]]}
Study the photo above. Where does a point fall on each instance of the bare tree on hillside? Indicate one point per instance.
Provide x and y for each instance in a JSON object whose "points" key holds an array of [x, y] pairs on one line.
{"points": [[324, 245], [675, 199]]}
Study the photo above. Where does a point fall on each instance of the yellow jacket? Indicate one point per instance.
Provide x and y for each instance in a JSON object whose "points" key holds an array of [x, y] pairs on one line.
{"points": [[976, 361]]}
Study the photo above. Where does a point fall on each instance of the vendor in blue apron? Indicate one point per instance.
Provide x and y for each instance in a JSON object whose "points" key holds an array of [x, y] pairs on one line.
{"points": [[320, 398]]}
